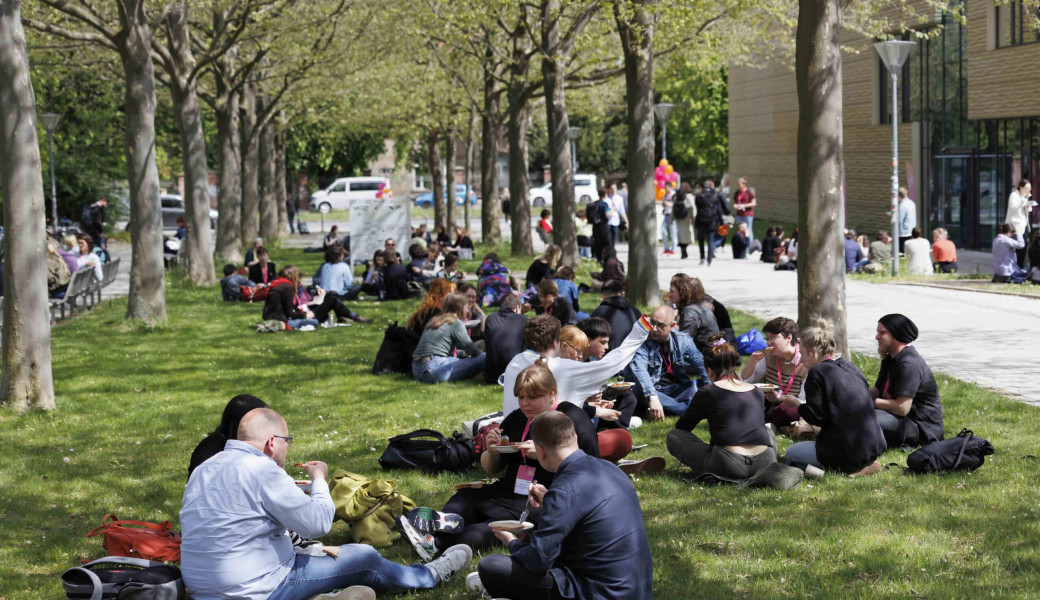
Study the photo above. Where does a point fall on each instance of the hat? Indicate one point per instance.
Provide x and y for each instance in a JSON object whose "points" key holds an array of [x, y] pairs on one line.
{"points": [[901, 328]]}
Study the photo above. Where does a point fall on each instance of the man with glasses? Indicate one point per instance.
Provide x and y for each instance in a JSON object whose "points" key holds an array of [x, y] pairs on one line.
{"points": [[663, 366], [238, 508], [390, 246]]}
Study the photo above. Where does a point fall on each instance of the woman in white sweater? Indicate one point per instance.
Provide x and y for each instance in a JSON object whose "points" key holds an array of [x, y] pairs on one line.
{"points": [[918, 254], [1019, 207]]}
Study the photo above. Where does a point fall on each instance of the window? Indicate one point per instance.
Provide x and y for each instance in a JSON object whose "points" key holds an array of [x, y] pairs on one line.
{"points": [[339, 187], [1017, 24], [364, 186]]}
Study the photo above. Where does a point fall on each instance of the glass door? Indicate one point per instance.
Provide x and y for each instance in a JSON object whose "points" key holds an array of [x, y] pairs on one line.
{"points": [[954, 196]]}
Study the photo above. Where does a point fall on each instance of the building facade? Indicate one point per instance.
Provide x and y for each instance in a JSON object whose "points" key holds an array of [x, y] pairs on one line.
{"points": [[969, 126]]}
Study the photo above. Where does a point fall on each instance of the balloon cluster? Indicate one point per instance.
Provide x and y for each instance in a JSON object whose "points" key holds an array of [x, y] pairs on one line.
{"points": [[384, 192], [662, 175]]}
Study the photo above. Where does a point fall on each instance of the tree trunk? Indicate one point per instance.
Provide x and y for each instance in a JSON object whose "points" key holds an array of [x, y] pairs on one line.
{"points": [[250, 166], [821, 220], [560, 162], [471, 143], [519, 113], [147, 296], [198, 247], [268, 197], [637, 33], [436, 169], [26, 370], [279, 175], [229, 204], [450, 148], [490, 132]]}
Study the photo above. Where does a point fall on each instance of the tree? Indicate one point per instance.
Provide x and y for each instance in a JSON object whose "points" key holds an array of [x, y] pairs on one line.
{"points": [[450, 149], [26, 370], [436, 167]]}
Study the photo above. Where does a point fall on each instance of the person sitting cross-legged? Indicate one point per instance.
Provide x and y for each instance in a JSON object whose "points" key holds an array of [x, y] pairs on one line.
{"points": [[837, 399], [598, 331], [553, 304], [232, 283], [663, 366], [779, 364], [433, 360], [503, 337], [590, 542], [906, 397], [741, 444], [236, 512]]}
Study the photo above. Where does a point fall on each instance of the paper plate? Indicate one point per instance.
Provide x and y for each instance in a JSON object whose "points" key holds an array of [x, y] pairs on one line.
{"points": [[507, 449], [511, 525]]}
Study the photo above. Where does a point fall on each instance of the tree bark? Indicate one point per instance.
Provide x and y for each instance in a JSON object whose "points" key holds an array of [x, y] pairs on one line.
{"points": [[471, 143], [147, 296], [229, 204], [490, 133], [637, 33], [450, 148], [250, 166], [268, 197], [26, 370], [436, 169], [560, 162], [198, 247], [281, 191], [516, 132], [821, 220]]}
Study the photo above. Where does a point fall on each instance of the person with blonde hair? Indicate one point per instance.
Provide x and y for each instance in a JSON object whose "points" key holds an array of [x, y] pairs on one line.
{"points": [[430, 307], [573, 343], [944, 252], [433, 360], [543, 267], [838, 401]]}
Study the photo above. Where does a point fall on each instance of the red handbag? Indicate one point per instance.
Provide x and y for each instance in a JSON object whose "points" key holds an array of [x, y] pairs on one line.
{"points": [[139, 539]]}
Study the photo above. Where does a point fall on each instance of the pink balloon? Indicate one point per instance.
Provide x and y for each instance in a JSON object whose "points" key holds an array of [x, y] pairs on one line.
{"points": [[659, 172], [673, 177]]}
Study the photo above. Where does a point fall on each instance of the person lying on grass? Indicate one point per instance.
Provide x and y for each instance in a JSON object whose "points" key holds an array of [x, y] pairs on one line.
{"points": [[740, 445], [433, 360], [283, 303], [837, 400], [591, 540], [236, 513], [510, 449]]}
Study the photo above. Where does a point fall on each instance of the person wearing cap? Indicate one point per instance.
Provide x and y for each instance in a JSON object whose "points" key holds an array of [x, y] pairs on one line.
{"points": [[906, 397]]}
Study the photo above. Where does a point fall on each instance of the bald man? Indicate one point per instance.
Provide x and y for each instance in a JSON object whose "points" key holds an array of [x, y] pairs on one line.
{"points": [[665, 367], [238, 508]]}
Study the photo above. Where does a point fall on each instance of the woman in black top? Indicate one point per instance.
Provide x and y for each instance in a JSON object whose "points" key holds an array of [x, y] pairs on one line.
{"points": [[740, 443], [543, 267], [504, 499], [263, 271], [283, 303], [236, 408], [837, 399], [462, 239]]}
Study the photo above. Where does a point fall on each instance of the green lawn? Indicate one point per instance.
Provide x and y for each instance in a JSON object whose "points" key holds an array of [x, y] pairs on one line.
{"points": [[133, 402]]}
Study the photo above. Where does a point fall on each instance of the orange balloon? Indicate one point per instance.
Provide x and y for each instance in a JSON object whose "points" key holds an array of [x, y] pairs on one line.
{"points": [[659, 194], [669, 170], [663, 163]]}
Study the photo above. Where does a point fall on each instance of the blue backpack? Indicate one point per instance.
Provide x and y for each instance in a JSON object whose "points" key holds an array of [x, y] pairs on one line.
{"points": [[751, 342]]}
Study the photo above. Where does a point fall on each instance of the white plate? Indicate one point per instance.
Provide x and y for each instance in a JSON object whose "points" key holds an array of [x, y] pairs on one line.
{"points": [[507, 449], [305, 486], [621, 386], [765, 387], [511, 525]]}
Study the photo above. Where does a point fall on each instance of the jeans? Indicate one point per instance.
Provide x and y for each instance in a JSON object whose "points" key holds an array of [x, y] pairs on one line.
{"points": [[297, 323], [614, 232], [292, 224], [859, 265], [706, 236], [504, 577], [585, 251], [447, 368], [668, 233], [675, 397], [749, 221], [887, 421], [717, 460], [358, 564], [802, 455]]}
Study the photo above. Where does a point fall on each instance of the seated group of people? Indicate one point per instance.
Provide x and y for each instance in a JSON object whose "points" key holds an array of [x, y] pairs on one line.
{"points": [[79, 253]]}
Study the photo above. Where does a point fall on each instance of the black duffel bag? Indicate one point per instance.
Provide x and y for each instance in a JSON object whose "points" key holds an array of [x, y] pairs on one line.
{"points": [[966, 452], [123, 578], [395, 353], [428, 450]]}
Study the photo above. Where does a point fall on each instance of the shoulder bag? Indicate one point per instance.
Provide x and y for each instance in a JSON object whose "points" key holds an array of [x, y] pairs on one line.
{"points": [[428, 450]]}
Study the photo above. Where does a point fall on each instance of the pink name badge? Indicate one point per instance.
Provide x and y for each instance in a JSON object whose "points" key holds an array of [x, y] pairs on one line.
{"points": [[524, 477]]}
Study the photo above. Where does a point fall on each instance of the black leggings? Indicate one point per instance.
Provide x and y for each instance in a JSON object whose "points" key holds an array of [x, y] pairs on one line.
{"points": [[704, 236], [504, 577], [331, 304], [478, 508]]}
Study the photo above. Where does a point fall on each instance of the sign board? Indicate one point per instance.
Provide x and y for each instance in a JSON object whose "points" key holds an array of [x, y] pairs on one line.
{"points": [[373, 221]]}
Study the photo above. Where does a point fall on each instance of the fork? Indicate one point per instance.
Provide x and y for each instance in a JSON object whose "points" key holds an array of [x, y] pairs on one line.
{"points": [[527, 509]]}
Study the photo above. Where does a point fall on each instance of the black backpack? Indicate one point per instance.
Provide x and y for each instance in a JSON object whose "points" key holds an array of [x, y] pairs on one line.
{"points": [[86, 216], [962, 453], [123, 579], [679, 209], [597, 213], [395, 353], [434, 454]]}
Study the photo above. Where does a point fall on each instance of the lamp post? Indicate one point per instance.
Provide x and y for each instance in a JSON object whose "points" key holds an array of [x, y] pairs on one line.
{"points": [[894, 54], [664, 110], [50, 123], [573, 133]]}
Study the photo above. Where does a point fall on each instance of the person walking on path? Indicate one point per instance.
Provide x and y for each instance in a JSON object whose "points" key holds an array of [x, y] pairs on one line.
{"points": [[709, 217], [744, 204], [683, 211], [667, 224]]}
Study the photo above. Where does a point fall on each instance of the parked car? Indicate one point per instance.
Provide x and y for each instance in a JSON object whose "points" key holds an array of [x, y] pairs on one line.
{"points": [[585, 191], [173, 207], [345, 189], [426, 200]]}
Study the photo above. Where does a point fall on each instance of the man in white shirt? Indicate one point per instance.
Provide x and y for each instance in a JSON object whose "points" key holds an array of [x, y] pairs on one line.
{"points": [[237, 510], [617, 212], [907, 217]]}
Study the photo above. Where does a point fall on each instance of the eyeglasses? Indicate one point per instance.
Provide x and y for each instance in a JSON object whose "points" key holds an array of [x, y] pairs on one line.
{"points": [[287, 438], [660, 326]]}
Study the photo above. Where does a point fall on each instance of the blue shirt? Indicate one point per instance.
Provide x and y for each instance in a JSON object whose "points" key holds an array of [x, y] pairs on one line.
{"points": [[236, 509], [568, 290], [591, 536], [1005, 261], [337, 278], [907, 217], [853, 254], [648, 365]]}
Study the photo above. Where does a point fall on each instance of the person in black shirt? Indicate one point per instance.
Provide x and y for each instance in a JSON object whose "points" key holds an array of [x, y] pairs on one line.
{"points": [[535, 389], [394, 277], [263, 271], [906, 397], [551, 303], [769, 245], [740, 443], [503, 337], [236, 408], [543, 267], [837, 400], [616, 310]]}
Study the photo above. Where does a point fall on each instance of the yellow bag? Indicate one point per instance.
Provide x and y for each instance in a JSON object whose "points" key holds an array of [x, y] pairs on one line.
{"points": [[369, 506]]}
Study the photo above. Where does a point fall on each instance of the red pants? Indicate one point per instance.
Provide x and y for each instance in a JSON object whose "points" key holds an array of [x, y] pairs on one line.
{"points": [[614, 444]]}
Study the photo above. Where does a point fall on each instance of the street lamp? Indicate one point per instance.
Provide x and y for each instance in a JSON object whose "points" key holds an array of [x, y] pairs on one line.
{"points": [[50, 123], [894, 53], [573, 133], [663, 111]]}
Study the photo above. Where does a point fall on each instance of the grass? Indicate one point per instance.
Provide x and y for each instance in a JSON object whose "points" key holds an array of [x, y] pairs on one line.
{"points": [[134, 401]]}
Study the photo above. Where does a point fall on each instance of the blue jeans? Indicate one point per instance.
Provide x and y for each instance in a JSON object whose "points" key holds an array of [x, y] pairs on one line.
{"points": [[614, 231], [802, 455], [447, 368], [297, 323], [749, 221], [358, 564], [675, 397], [668, 233], [887, 421], [859, 265], [585, 251]]}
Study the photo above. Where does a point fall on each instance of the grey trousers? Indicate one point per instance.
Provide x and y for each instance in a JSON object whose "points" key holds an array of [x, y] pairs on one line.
{"points": [[717, 460]]}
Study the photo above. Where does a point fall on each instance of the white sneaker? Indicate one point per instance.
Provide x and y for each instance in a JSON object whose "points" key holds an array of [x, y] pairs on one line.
{"points": [[306, 328], [450, 562], [473, 582], [635, 423], [354, 592]]}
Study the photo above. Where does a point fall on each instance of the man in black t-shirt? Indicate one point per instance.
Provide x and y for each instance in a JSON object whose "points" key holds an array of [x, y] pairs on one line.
{"points": [[503, 337], [906, 397]]}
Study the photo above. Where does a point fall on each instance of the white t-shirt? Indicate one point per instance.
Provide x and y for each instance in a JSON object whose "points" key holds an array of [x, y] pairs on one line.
{"points": [[919, 256], [617, 208]]}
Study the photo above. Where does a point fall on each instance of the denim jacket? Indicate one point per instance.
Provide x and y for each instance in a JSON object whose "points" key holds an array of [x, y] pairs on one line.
{"points": [[647, 364]]}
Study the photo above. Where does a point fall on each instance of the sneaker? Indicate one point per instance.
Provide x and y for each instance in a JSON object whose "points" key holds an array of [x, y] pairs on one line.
{"points": [[702, 261], [422, 543], [635, 423], [473, 582], [813, 472], [354, 592], [654, 464], [452, 561], [427, 520], [362, 320]]}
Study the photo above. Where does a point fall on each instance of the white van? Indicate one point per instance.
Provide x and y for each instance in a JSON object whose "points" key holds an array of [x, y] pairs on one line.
{"points": [[342, 191], [585, 191]]}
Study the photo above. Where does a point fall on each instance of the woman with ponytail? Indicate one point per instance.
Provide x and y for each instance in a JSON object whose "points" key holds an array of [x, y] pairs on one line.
{"points": [[741, 445], [837, 399]]}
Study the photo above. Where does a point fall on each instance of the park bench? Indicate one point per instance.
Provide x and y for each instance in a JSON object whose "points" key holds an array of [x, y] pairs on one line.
{"points": [[109, 272], [81, 286]]}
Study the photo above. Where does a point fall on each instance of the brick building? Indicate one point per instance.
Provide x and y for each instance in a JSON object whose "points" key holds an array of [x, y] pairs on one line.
{"points": [[969, 126]]}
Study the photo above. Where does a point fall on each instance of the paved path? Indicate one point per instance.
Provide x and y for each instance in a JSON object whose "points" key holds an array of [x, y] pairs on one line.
{"points": [[983, 338]]}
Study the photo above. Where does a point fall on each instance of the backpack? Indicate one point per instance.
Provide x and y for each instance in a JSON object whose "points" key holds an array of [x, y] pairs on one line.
{"points": [[139, 539], [127, 579], [962, 453], [86, 215], [369, 506], [411, 451], [395, 353], [751, 342], [679, 209], [597, 213], [470, 429]]}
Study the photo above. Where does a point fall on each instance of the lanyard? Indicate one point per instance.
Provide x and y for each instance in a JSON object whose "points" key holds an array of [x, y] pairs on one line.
{"points": [[884, 392], [667, 360], [549, 310], [263, 271], [780, 374]]}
